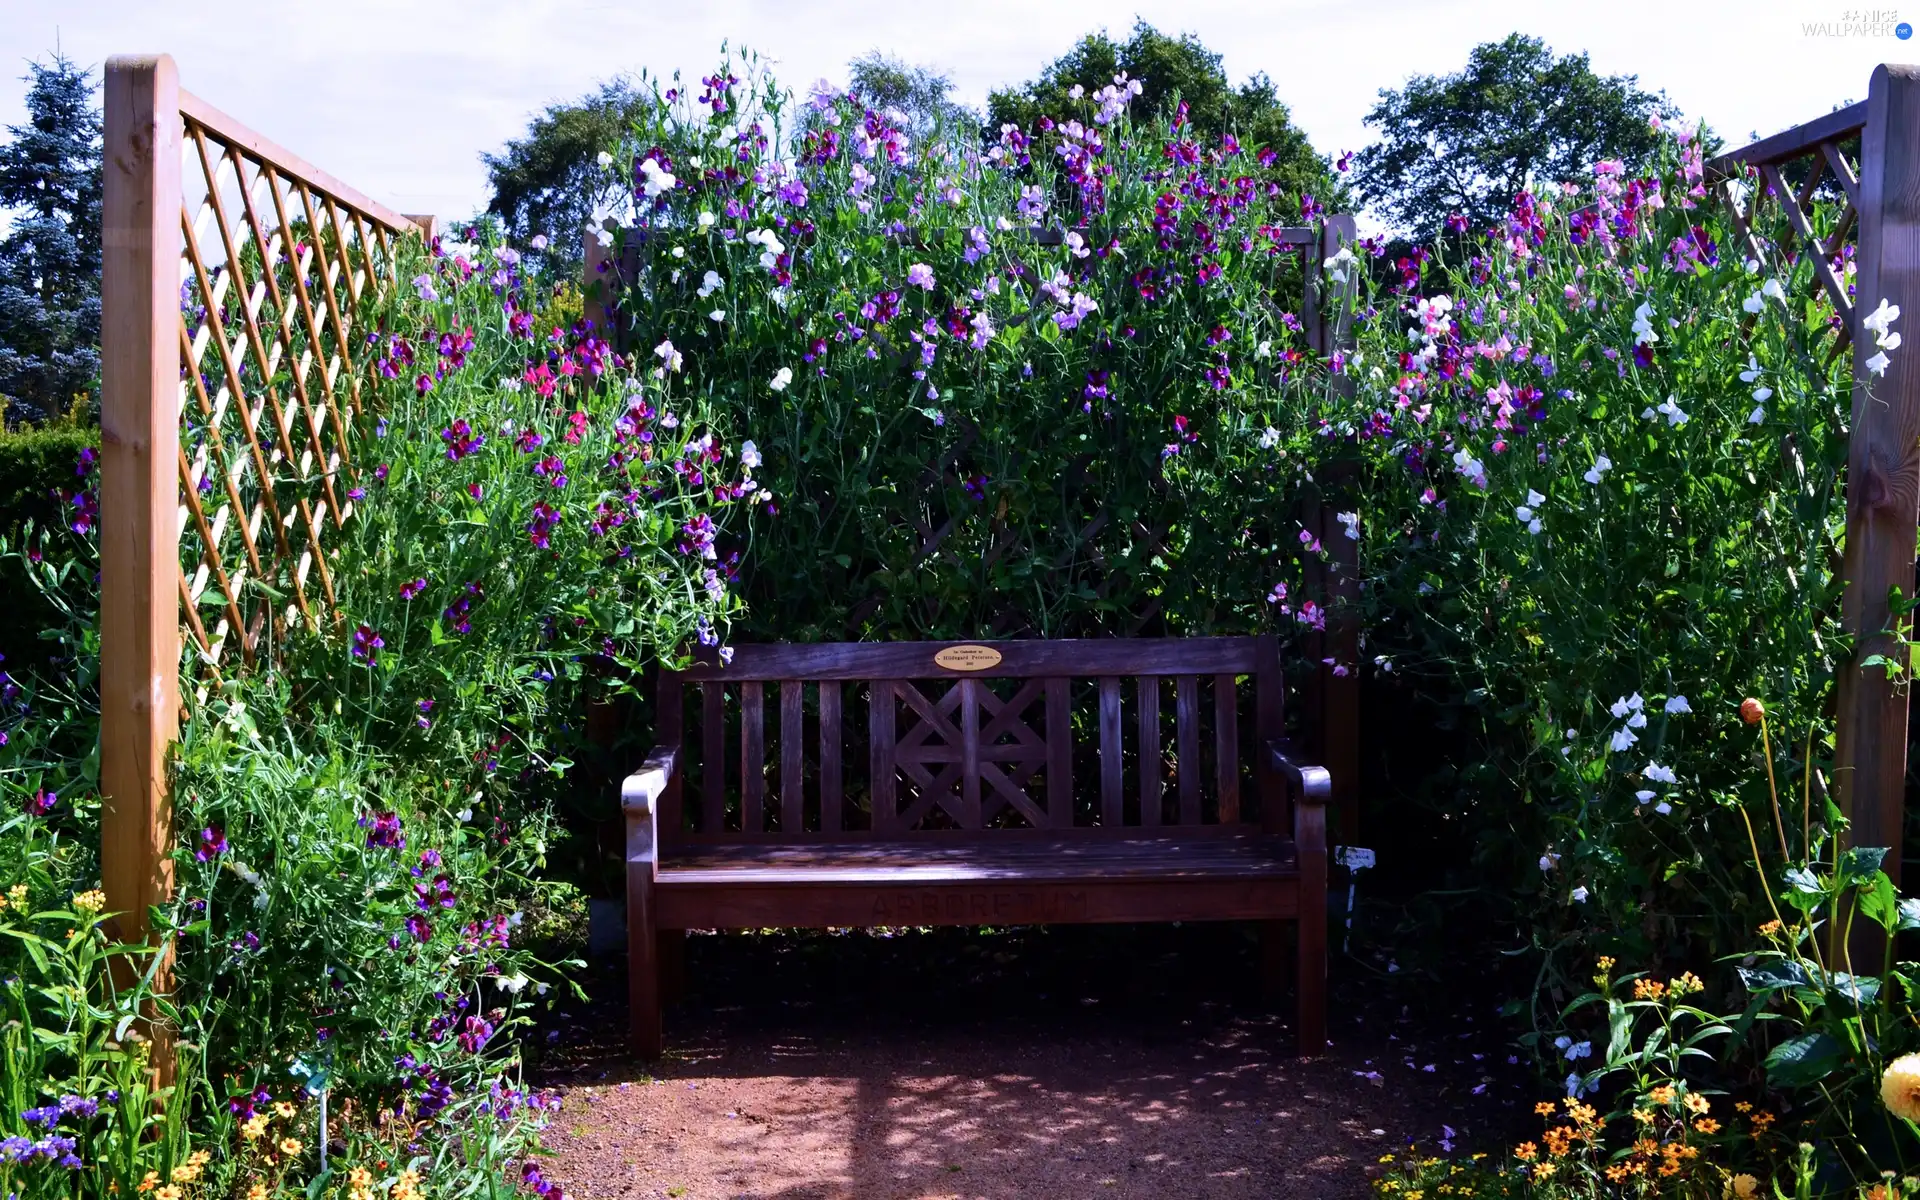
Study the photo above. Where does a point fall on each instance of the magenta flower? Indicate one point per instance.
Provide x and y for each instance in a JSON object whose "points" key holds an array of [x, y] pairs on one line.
{"points": [[367, 644], [545, 519], [421, 930], [384, 832], [411, 591], [41, 802], [213, 843], [461, 440]]}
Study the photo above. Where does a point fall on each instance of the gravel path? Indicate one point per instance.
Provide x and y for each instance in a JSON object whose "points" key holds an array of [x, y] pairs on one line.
{"points": [[1055, 1064]]}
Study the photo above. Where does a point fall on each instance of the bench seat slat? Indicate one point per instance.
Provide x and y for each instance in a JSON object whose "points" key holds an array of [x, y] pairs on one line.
{"points": [[854, 661], [1032, 859]]}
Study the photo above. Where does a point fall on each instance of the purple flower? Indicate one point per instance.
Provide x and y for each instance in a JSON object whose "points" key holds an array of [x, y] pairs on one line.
{"points": [[41, 802], [367, 644], [246, 942], [920, 275], [424, 720], [357, 493], [383, 831], [213, 843], [422, 931], [411, 591], [461, 439], [545, 519]]}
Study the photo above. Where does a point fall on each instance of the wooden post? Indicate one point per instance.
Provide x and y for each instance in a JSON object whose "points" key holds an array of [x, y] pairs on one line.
{"points": [[426, 223], [1339, 743], [1883, 465], [139, 485], [595, 285]]}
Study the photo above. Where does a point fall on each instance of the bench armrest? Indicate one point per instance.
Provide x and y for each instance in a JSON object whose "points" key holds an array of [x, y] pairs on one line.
{"points": [[640, 799], [1312, 788]]}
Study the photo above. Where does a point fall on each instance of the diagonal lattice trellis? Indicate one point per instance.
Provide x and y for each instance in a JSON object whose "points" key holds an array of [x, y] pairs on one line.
{"points": [[1746, 178], [279, 262]]}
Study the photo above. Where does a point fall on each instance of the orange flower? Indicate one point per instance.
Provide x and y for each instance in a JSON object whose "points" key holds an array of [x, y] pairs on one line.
{"points": [[1526, 1152], [1546, 1108], [1698, 1103], [1770, 928], [1707, 1125], [1648, 989], [1544, 1170], [1662, 1095], [1687, 984], [1617, 1173]]}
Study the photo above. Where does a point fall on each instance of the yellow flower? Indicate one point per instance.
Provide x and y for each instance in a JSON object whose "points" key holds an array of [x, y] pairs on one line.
{"points": [[1741, 1187], [1707, 1125], [254, 1126], [1741, 1106], [257, 1192], [17, 895], [186, 1172], [360, 1177], [150, 1182], [1662, 1095], [1770, 928], [167, 1192], [282, 1109], [1698, 1103], [1687, 984], [1544, 1170], [200, 1158], [1604, 962], [290, 1147], [1900, 1088], [1546, 1108]]}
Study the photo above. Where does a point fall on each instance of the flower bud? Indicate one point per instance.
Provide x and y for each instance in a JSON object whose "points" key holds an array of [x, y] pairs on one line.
{"points": [[1751, 711]]}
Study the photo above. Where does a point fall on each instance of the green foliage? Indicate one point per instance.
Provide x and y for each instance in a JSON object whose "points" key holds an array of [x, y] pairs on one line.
{"points": [[50, 258], [1515, 117], [1031, 440], [42, 471], [923, 94], [1168, 67]]}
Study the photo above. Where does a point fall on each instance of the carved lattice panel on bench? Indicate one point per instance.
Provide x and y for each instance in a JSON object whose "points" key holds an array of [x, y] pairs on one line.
{"points": [[967, 759]]}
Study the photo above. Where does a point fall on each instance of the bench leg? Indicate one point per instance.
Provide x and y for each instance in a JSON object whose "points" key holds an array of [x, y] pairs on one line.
{"points": [[673, 965], [643, 966], [1312, 976]]}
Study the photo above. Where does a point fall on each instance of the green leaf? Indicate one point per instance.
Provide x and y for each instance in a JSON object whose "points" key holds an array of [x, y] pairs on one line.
{"points": [[1804, 1060]]}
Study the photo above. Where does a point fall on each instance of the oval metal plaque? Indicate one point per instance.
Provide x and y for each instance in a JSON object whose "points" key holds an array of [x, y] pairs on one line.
{"points": [[967, 658]]}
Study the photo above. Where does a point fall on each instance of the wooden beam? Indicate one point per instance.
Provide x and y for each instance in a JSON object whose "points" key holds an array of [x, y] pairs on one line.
{"points": [[140, 393], [1883, 466]]}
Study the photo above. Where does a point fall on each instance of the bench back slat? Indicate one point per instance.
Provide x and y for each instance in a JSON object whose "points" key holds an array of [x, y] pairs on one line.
{"points": [[950, 749]]}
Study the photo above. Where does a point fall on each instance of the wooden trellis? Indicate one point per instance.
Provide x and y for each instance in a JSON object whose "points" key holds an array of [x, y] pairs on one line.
{"points": [[234, 272], [1879, 217]]}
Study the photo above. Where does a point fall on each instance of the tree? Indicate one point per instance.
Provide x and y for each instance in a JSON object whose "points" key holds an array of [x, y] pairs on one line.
{"points": [[1517, 116], [50, 259], [1166, 66], [922, 94], [550, 181]]}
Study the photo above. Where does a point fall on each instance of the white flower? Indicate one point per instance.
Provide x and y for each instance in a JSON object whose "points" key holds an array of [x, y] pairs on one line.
{"points": [[1548, 860], [1678, 704], [1578, 896], [465, 815], [1659, 774], [539, 241], [1772, 288], [1643, 333], [1623, 739], [1263, 350], [1878, 321], [654, 179], [670, 359], [781, 379], [1627, 704], [423, 284], [510, 983], [1523, 513], [1269, 438], [1663, 808], [1643, 795], [711, 283], [1534, 526], [1637, 721], [1758, 416], [679, 252], [601, 234], [718, 314], [1535, 498], [1752, 372], [1352, 521], [780, 296], [1878, 364], [705, 219], [1601, 466], [604, 159], [749, 455], [1671, 409]]}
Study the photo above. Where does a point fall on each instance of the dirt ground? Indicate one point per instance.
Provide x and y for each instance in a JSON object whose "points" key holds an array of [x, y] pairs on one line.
{"points": [[1054, 1063]]}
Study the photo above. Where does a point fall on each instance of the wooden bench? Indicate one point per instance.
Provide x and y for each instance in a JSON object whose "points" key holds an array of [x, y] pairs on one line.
{"points": [[967, 812]]}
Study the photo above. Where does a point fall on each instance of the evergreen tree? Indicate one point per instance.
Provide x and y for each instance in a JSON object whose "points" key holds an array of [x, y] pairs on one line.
{"points": [[50, 258]]}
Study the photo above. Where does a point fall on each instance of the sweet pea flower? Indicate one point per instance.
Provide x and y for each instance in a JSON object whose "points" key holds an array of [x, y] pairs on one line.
{"points": [[749, 455], [920, 275], [1659, 774], [1678, 704], [604, 159], [1601, 465]]}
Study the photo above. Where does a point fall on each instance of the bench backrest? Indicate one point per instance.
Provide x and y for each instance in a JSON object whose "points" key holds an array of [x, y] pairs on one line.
{"points": [[967, 736]]}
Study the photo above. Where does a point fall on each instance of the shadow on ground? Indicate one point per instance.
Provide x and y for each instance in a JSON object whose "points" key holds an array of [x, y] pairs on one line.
{"points": [[1058, 1062]]}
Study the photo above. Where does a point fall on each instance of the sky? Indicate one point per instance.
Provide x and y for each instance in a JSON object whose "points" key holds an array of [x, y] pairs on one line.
{"points": [[399, 98]]}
